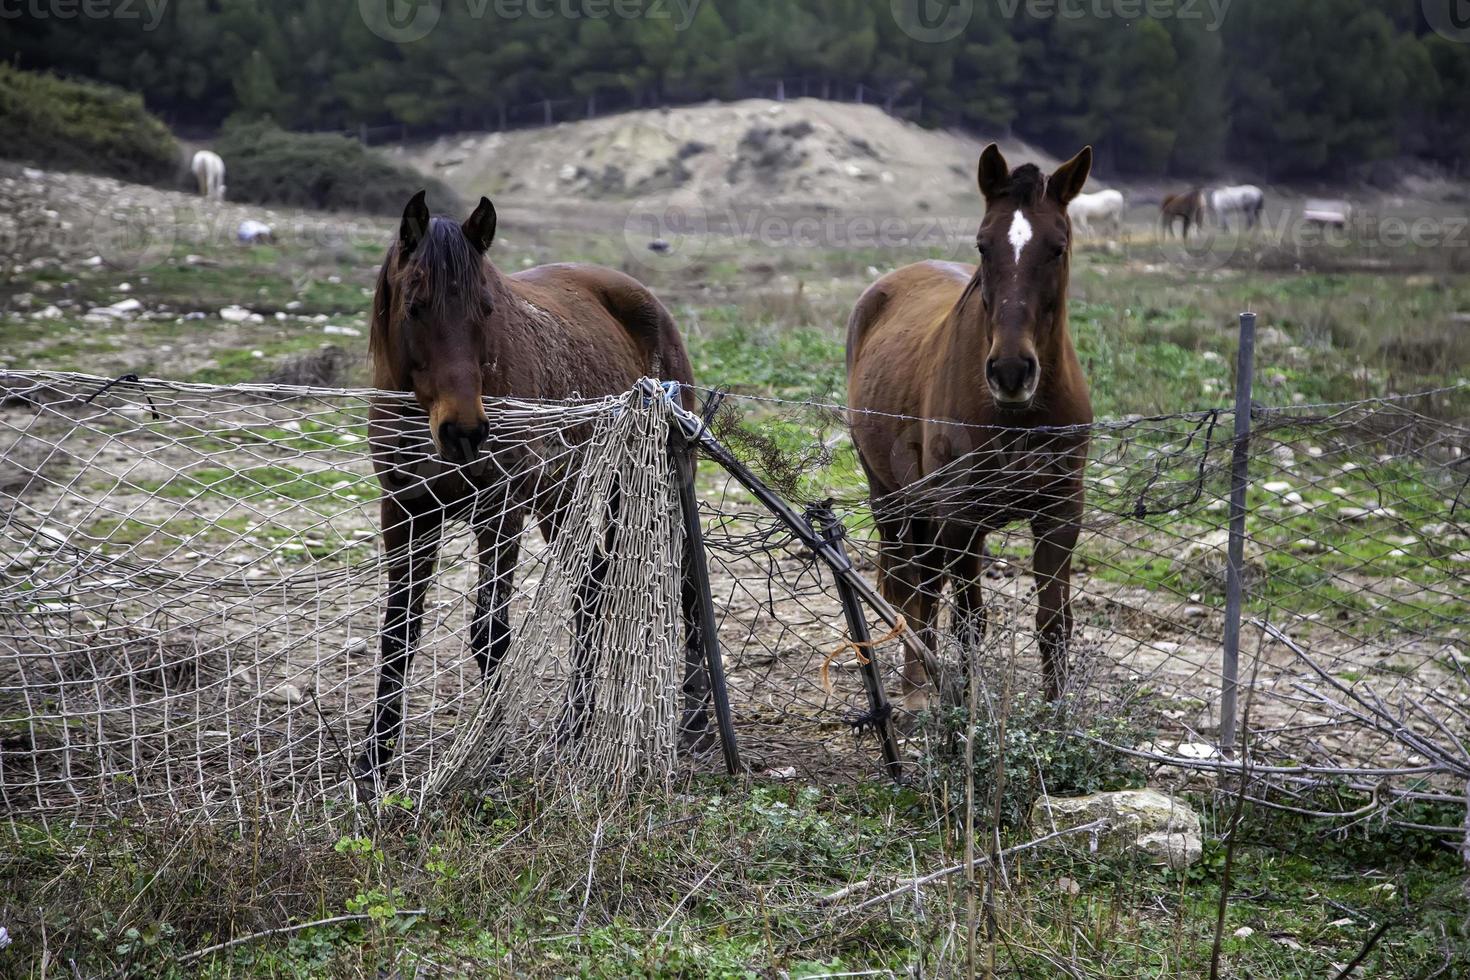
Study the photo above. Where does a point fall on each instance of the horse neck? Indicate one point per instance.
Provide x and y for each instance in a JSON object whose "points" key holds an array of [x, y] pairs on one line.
{"points": [[509, 337]]}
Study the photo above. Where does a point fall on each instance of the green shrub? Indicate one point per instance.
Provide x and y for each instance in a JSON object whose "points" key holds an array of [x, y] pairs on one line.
{"points": [[65, 125], [265, 164]]}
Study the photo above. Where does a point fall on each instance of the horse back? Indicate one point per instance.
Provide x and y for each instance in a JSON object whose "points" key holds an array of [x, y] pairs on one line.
{"points": [[604, 330]]}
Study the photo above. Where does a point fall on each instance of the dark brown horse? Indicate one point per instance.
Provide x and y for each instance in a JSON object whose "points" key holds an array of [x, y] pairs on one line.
{"points": [[958, 377], [450, 328], [1188, 207]]}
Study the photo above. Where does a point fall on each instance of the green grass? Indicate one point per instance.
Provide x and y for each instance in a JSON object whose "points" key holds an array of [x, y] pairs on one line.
{"points": [[728, 882]]}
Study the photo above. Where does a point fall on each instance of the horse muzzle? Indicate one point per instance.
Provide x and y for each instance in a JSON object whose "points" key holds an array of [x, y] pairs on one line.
{"points": [[458, 443], [1012, 381]]}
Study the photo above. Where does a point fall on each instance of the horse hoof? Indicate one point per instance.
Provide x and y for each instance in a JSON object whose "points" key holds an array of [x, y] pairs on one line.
{"points": [[696, 737], [917, 700]]}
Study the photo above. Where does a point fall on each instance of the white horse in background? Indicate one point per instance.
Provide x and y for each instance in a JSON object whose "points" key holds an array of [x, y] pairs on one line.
{"points": [[1104, 207], [1246, 200], [209, 170]]}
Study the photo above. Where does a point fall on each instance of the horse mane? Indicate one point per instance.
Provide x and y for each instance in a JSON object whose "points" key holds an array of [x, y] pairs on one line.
{"points": [[1026, 185], [444, 271]]}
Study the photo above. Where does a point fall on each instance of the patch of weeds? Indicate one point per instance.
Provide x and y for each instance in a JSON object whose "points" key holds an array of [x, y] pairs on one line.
{"points": [[1040, 753]]}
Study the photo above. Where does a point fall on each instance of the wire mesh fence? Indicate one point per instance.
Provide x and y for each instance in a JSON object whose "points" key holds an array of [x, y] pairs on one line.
{"points": [[192, 598], [192, 595]]}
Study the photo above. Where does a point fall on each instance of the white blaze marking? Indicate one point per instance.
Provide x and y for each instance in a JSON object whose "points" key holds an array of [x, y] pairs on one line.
{"points": [[1020, 233]]}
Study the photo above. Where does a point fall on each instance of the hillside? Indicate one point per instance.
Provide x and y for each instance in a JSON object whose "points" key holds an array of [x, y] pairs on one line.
{"points": [[805, 153]]}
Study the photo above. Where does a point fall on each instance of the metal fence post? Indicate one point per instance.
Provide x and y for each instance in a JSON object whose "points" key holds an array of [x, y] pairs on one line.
{"points": [[880, 711], [1245, 364]]}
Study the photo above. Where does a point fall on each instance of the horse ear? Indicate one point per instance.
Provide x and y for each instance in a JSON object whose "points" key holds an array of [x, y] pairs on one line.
{"points": [[480, 227], [995, 174], [415, 225], [1069, 179]]}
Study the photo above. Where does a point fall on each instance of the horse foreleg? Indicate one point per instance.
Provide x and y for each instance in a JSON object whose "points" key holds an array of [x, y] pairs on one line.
{"points": [[694, 728], [966, 574], [588, 601], [500, 550], [1052, 568], [694, 725], [411, 543]]}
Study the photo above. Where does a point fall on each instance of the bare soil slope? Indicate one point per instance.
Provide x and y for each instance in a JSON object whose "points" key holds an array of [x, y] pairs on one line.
{"points": [[806, 153]]}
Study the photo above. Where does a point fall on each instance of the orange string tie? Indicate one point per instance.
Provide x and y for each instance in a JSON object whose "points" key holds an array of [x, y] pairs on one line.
{"points": [[857, 648]]}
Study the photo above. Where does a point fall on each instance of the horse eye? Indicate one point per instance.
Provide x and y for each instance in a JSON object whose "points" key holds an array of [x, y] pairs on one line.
{"points": [[980, 247]]}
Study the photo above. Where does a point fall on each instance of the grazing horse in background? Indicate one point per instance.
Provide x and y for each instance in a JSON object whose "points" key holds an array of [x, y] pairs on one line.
{"points": [[1246, 200], [450, 328], [209, 170], [1104, 207], [1188, 207], [952, 369]]}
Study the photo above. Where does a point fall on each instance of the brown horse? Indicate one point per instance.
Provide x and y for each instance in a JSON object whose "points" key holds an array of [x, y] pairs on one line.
{"points": [[1188, 207], [450, 328], [962, 383]]}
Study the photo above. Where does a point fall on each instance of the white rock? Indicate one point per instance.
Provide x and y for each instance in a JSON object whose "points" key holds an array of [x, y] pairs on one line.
{"points": [[1244, 932], [1144, 820], [288, 693], [234, 314], [333, 328], [1276, 486]]}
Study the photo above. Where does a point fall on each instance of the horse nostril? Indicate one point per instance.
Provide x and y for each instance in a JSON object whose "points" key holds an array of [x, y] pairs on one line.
{"points": [[990, 369], [1032, 368]]}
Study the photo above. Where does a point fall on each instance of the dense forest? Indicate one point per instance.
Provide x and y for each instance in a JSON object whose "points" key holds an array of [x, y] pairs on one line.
{"points": [[1289, 88]]}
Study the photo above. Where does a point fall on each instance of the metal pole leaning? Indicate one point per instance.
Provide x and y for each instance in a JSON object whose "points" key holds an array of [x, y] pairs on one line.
{"points": [[881, 711], [1245, 364], [835, 560], [697, 567]]}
